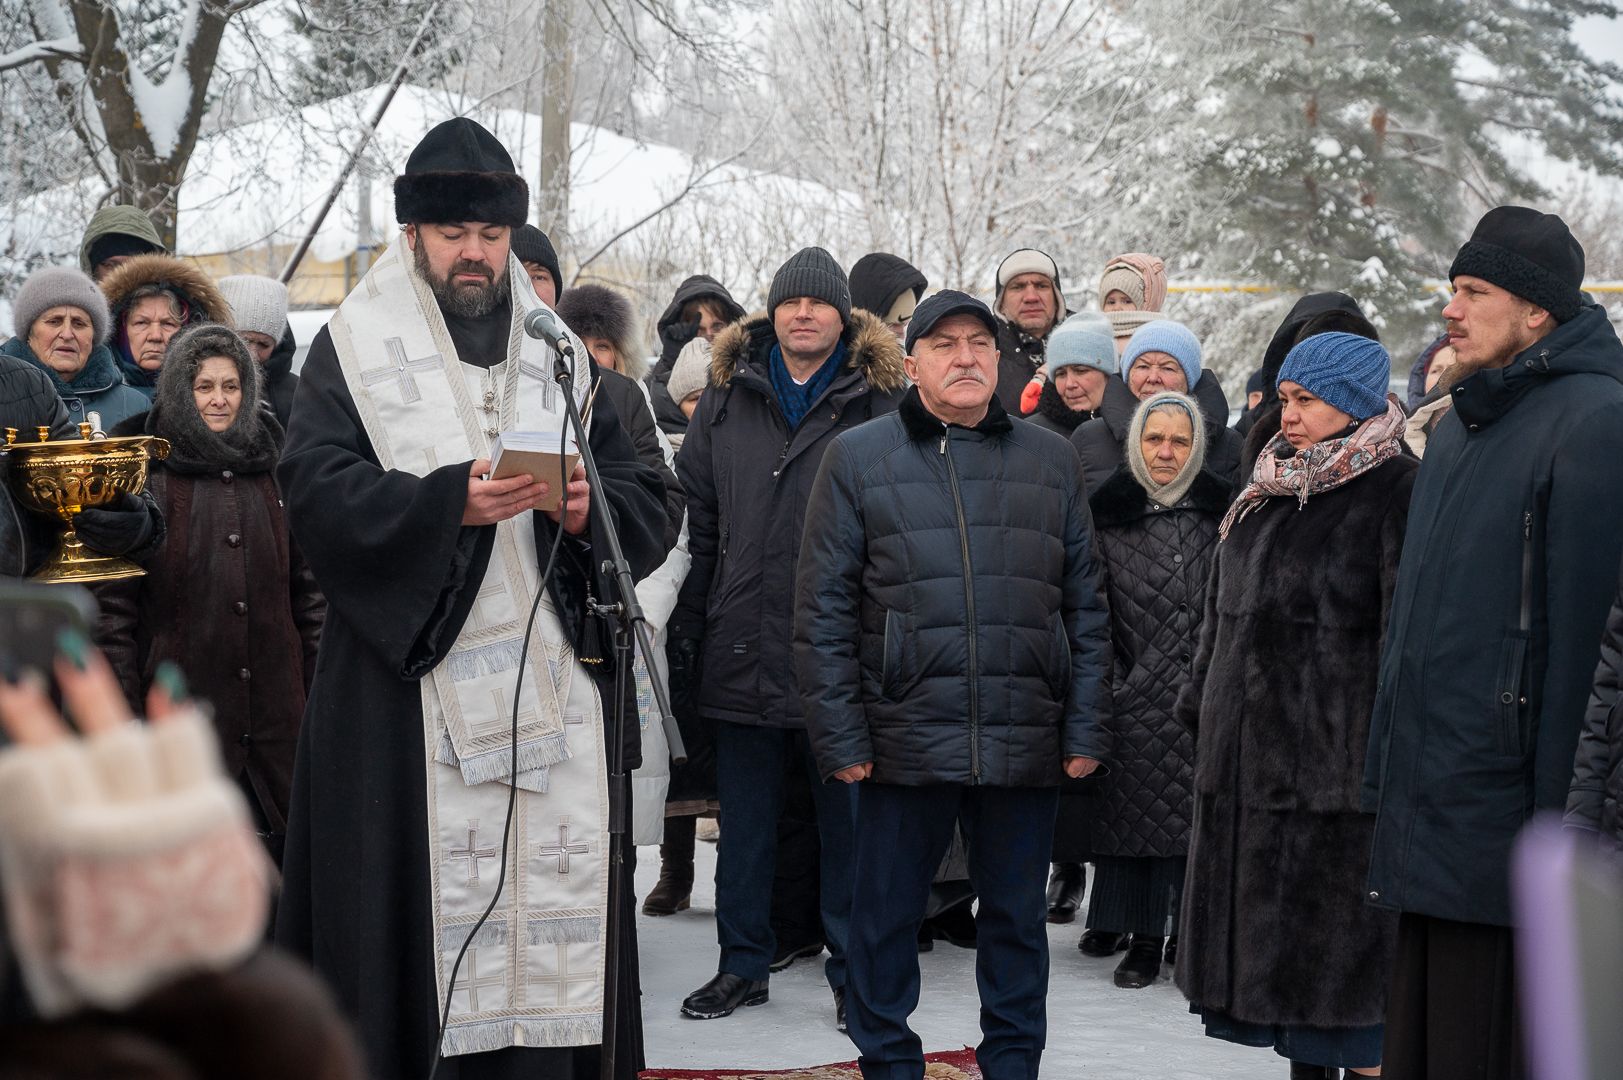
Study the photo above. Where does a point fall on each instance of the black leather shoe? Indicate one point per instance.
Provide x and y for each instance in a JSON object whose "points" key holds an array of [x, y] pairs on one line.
{"points": [[1102, 943], [1142, 963], [839, 1008], [721, 995], [1300, 1070], [926, 936], [1066, 885], [788, 954], [1172, 951]]}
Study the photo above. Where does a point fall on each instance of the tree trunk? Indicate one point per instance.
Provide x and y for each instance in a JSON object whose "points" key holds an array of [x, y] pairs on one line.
{"points": [[557, 107]]}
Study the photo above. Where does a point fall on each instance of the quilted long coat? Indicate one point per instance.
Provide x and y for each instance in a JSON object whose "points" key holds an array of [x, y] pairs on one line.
{"points": [[1156, 561]]}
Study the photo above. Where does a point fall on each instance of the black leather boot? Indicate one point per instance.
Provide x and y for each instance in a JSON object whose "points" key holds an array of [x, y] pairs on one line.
{"points": [[1066, 884], [1300, 1070], [1102, 943], [1142, 963], [721, 995]]}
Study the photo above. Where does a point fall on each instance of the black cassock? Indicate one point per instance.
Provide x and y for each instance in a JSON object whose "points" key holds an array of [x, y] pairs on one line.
{"points": [[401, 573]]}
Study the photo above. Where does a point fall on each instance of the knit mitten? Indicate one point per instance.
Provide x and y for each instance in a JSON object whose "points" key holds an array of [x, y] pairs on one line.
{"points": [[127, 859], [1029, 396]]}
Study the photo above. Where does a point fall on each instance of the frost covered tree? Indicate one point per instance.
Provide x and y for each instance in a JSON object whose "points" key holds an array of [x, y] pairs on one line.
{"points": [[1349, 144], [133, 79]]}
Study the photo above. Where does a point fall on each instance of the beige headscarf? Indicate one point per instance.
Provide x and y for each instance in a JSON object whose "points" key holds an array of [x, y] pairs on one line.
{"points": [[1170, 494]]}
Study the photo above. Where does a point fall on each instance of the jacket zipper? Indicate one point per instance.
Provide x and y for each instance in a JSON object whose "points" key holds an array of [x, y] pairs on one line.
{"points": [[969, 606], [1526, 621]]}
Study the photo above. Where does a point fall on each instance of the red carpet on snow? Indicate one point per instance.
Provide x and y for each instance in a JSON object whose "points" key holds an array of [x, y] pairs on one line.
{"points": [[951, 1065]]}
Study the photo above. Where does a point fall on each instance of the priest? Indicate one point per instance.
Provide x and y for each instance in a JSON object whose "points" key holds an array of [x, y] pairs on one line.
{"points": [[406, 762]]}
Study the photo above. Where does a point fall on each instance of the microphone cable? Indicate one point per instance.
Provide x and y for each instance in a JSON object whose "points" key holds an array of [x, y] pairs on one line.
{"points": [[512, 783]]}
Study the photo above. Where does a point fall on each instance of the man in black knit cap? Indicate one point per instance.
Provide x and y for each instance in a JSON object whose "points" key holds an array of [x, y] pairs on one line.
{"points": [[1509, 562]]}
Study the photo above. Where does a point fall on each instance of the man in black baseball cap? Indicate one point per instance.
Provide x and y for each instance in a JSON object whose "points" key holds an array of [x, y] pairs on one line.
{"points": [[943, 705], [1509, 561]]}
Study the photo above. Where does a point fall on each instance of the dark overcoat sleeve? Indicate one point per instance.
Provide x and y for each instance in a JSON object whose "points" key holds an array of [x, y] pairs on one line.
{"points": [[827, 628], [1593, 762], [1087, 624], [388, 549]]}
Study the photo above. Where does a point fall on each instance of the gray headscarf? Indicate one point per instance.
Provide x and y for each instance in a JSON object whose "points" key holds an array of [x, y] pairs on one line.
{"points": [[252, 442], [1166, 494]]}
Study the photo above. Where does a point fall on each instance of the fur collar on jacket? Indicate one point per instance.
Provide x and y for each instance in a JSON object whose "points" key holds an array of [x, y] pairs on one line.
{"points": [[1122, 499], [1051, 405], [870, 349], [206, 301]]}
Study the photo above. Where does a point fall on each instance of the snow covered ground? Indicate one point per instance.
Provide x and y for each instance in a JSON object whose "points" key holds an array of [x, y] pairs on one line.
{"points": [[1095, 1030]]}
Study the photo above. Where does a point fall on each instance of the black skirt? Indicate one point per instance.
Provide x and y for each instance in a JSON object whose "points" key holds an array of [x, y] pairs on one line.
{"points": [[1452, 1010]]}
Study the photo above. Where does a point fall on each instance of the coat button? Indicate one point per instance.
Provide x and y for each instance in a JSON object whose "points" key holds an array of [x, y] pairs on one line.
{"points": [[1476, 427], [246, 740], [227, 475], [1177, 558], [240, 608], [234, 540], [1183, 607], [243, 675], [1374, 894], [1507, 698], [1187, 658]]}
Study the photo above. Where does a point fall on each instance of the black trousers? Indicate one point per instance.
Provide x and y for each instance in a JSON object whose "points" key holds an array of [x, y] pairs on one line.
{"points": [[902, 834], [1451, 1010]]}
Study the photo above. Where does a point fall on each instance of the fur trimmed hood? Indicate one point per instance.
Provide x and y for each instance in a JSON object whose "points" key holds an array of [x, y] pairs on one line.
{"points": [[202, 296], [872, 349]]}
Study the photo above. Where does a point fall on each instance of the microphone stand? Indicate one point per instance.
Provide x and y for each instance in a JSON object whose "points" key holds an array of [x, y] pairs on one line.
{"points": [[629, 619]]}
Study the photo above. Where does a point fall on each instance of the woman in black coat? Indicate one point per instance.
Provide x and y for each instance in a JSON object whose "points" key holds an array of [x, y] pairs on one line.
{"points": [[228, 597], [1278, 946], [1155, 522]]}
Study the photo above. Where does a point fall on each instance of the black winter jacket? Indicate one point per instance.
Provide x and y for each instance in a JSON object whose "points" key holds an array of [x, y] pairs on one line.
{"points": [[1595, 801], [1510, 562], [28, 401], [1019, 355], [748, 479], [1156, 561], [1099, 441], [280, 382], [948, 621], [1274, 925], [633, 412]]}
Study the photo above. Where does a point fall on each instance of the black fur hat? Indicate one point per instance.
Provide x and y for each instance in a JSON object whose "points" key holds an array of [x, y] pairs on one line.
{"points": [[460, 172], [600, 312]]}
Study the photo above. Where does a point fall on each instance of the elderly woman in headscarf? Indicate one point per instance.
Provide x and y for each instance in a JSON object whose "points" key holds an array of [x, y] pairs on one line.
{"points": [[153, 298], [62, 326], [228, 597], [1279, 948], [1155, 525]]}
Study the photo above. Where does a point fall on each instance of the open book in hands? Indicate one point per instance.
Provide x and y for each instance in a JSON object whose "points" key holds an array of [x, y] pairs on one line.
{"points": [[546, 456]]}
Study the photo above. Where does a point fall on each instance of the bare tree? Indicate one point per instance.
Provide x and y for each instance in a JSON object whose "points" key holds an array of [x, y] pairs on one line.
{"points": [[142, 121]]}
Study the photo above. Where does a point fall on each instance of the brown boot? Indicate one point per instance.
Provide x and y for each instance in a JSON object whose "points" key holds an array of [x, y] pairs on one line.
{"points": [[674, 891]]}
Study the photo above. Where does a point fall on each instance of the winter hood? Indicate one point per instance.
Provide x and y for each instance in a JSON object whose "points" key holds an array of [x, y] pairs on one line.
{"points": [[205, 300], [123, 220], [878, 279]]}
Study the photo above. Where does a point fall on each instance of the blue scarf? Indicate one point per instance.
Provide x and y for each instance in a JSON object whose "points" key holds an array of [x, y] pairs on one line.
{"points": [[796, 399]]}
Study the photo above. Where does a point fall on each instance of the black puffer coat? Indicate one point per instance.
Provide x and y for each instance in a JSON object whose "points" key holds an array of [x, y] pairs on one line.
{"points": [[948, 622], [1596, 799], [748, 479], [1508, 570], [1156, 564], [1274, 924], [1019, 356], [1099, 442]]}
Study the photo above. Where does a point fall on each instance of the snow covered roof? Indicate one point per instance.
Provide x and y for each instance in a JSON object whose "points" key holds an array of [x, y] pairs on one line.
{"points": [[261, 183]]}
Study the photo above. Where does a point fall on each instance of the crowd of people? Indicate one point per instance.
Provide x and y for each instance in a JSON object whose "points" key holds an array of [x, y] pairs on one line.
{"points": [[953, 600]]}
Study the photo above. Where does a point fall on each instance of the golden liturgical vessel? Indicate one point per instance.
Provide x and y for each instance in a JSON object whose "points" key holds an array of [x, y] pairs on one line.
{"points": [[59, 479]]}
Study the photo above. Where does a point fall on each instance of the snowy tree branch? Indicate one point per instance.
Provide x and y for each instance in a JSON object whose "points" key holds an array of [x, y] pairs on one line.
{"points": [[65, 48]]}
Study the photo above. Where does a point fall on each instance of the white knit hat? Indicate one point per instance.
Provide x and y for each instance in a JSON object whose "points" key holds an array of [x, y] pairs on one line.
{"points": [[691, 372], [259, 304]]}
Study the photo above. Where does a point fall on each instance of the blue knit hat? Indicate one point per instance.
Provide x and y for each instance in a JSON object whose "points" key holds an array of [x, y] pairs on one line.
{"points": [[1173, 338], [1346, 370], [1083, 340]]}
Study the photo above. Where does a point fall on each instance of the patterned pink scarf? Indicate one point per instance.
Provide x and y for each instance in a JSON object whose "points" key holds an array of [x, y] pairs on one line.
{"points": [[1319, 467]]}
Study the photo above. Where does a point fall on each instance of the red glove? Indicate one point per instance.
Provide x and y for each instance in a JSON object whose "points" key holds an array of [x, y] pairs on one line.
{"points": [[1029, 396]]}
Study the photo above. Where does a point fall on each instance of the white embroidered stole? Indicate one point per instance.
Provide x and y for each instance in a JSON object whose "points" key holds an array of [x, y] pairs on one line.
{"points": [[533, 975]]}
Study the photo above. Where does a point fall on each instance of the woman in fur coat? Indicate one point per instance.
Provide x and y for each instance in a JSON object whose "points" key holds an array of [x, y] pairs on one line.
{"points": [[1155, 525], [1279, 948]]}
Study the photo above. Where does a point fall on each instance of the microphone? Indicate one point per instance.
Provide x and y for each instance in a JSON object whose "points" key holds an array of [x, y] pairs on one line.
{"points": [[544, 325]]}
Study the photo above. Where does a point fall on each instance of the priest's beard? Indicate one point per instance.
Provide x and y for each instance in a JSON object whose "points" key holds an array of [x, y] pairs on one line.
{"points": [[463, 301]]}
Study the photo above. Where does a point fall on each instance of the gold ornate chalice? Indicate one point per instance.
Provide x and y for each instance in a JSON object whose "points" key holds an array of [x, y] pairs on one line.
{"points": [[59, 479]]}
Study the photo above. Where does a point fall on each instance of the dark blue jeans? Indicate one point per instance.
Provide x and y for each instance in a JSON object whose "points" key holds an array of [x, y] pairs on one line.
{"points": [[904, 833], [750, 782]]}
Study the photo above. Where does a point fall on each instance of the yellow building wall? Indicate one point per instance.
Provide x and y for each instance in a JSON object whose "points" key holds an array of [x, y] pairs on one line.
{"points": [[315, 284]]}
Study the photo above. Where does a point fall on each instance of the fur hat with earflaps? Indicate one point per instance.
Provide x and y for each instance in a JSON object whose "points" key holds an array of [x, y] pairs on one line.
{"points": [[460, 172]]}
